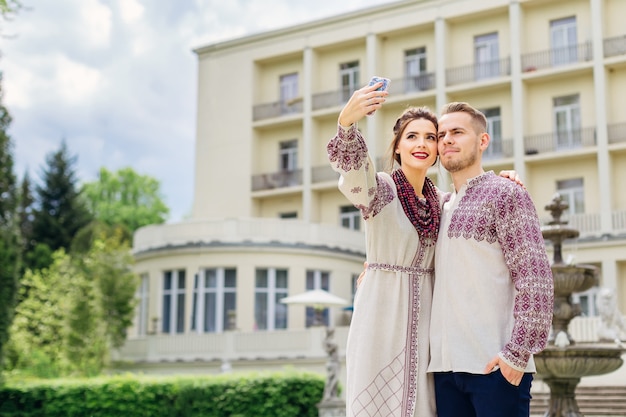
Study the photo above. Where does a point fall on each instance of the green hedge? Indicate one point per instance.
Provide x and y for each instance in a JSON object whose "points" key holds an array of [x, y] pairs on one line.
{"points": [[285, 394]]}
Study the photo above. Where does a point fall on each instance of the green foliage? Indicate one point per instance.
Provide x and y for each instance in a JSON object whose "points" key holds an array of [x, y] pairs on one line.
{"points": [[74, 311], [61, 211], [125, 198], [10, 254], [108, 266], [9, 6], [285, 394], [40, 325]]}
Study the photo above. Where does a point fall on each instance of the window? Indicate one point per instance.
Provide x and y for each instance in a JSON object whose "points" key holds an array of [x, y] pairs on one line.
{"points": [[288, 92], [573, 193], [349, 79], [143, 298], [486, 56], [288, 155], [415, 70], [350, 217], [214, 300], [494, 128], [587, 301], [567, 122], [289, 215], [563, 37], [173, 301], [317, 280], [270, 288]]}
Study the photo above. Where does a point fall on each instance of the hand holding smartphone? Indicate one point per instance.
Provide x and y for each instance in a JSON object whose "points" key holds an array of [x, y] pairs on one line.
{"points": [[376, 79], [386, 81]]}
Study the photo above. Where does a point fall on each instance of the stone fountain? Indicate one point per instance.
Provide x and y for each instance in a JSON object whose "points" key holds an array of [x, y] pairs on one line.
{"points": [[564, 362]]}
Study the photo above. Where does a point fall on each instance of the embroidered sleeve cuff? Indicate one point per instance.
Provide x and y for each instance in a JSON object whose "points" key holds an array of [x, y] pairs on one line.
{"points": [[347, 133], [515, 359]]}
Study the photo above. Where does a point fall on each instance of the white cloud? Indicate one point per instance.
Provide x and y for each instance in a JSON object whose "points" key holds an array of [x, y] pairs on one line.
{"points": [[75, 82], [96, 21], [131, 10]]}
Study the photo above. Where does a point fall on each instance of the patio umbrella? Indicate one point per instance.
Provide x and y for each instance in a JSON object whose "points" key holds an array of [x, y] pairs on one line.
{"points": [[316, 299]]}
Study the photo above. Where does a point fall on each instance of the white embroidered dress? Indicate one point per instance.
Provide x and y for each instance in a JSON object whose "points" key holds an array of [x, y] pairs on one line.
{"points": [[388, 348]]}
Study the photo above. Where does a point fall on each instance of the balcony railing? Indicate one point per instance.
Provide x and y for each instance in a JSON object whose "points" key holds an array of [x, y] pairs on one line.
{"points": [[499, 149], [286, 344], [323, 173], [615, 46], [560, 140], [478, 71], [277, 108], [331, 98], [589, 224], [618, 220], [557, 57], [414, 84], [280, 179], [617, 132]]}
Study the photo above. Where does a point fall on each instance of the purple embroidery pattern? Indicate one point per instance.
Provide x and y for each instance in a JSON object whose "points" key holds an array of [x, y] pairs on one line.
{"points": [[348, 149], [495, 210], [383, 196], [394, 390]]}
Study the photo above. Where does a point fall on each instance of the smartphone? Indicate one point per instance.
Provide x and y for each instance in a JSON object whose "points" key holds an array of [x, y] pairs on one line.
{"points": [[375, 79], [386, 81]]}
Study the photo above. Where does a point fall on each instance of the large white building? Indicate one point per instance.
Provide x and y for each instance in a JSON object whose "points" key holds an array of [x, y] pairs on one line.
{"points": [[268, 220]]}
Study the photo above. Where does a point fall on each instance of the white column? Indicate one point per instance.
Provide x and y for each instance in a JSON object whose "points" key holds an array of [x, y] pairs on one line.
{"points": [[371, 54], [443, 179], [599, 79], [517, 88], [609, 274], [307, 132]]}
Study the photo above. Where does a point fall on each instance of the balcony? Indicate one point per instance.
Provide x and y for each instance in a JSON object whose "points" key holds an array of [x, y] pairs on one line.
{"points": [[276, 109], [589, 224], [560, 141], [557, 57], [479, 71], [617, 133], [323, 173], [615, 46], [331, 98], [280, 179], [498, 149], [258, 231], [413, 84]]}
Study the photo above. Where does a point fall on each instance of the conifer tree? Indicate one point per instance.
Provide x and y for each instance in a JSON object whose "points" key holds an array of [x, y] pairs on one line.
{"points": [[60, 211]]}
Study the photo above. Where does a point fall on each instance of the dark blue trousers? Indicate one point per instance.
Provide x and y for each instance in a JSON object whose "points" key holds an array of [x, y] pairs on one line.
{"points": [[460, 394]]}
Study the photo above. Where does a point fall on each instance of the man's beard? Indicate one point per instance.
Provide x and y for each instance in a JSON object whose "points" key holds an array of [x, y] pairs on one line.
{"points": [[459, 165]]}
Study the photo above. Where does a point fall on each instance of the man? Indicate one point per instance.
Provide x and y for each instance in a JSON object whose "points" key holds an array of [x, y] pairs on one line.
{"points": [[493, 293]]}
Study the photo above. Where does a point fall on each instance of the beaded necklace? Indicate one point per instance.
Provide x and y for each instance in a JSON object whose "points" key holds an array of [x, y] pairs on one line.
{"points": [[425, 213]]}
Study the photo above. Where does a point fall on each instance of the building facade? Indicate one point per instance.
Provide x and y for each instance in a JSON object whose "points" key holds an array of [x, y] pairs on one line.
{"points": [[268, 220]]}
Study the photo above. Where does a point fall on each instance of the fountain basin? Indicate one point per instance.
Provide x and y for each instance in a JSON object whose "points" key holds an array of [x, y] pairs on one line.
{"points": [[578, 360], [569, 279]]}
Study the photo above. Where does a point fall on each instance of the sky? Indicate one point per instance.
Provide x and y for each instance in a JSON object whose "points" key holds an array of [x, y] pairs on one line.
{"points": [[116, 79]]}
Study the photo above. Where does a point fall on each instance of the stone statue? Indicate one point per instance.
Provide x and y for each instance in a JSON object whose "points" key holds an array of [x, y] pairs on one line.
{"points": [[331, 389], [612, 323]]}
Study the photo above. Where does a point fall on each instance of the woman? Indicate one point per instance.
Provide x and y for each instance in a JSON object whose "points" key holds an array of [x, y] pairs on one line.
{"points": [[387, 351]]}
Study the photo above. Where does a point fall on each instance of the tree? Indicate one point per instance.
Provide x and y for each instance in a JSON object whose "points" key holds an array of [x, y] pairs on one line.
{"points": [[125, 198], [9, 6], [61, 212], [109, 265], [9, 232], [75, 311]]}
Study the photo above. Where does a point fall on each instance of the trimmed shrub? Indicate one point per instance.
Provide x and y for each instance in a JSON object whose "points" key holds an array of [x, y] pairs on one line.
{"points": [[277, 394]]}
